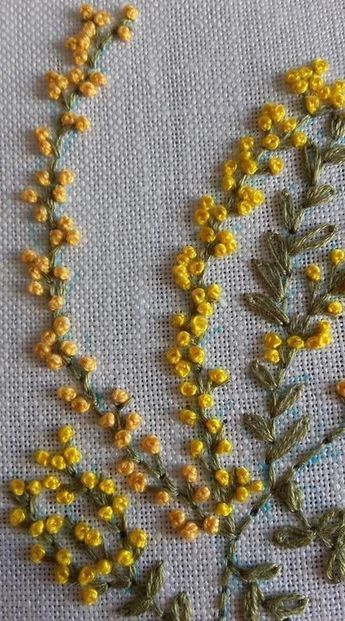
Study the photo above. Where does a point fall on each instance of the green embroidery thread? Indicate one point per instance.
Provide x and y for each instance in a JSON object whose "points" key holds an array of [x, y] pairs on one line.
{"points": [[226, 486], [296, 331], [48, 276]]}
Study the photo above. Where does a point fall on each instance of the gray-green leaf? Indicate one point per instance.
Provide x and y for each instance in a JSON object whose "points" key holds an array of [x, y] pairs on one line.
{"points": [[266, 571], [267, 308], [259, 427], [278, 249], [181, 608], [335, 570], [271, 276], [264, 377], [251, 603], [319, 194], [338, 126], [286, 400], [135, 607], [288, 210], [291, 537], [296, 433], [339, 283], [335, 155], [317, 237], [290, 494], [154, 580], [284, 606], [329, 524]]}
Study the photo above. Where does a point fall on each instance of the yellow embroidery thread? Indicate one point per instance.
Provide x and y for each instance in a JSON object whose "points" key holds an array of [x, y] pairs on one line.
{"points": [[189, 271]]}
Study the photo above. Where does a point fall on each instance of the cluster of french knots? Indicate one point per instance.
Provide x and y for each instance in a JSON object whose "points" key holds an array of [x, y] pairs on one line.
{"points": [[78, 551], [240, 181], [298, 322], [209, 488], [49, 277]]}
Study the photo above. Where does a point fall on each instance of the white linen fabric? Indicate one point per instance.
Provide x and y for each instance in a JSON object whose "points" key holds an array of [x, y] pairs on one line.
{"points": [[178, 97]]}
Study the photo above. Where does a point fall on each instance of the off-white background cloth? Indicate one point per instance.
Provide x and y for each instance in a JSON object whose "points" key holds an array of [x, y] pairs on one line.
{"points": [[178, 97]]}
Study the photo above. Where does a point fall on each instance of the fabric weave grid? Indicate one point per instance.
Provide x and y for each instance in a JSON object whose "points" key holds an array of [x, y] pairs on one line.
{"points": [[178, 97]]}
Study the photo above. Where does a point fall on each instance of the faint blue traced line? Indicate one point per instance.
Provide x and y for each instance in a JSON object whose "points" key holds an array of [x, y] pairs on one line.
{"points": [[88, 341], [225, 412], [267, 507], [302, 378], [295, 411], [217, 330], [293, 188], [75, 279], [298, 261], [237, 228], [102, 406], [263, 470]]}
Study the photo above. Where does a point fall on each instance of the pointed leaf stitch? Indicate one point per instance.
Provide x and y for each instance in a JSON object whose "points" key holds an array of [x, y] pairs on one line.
{"points": [[286, 400], [291, 537], [251, 603], [267, 308], [259, 427], [282, 607], [296, 433]]}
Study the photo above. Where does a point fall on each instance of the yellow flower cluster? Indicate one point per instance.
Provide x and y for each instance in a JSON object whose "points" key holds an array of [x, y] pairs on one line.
{"points": [[321, 335], [314, 274], [236, 486], [45, 530], [279, 129], [82, 44], [244, 197], [124, 424], [320, 338], [187, 356], [308, 80], [52, 183]]}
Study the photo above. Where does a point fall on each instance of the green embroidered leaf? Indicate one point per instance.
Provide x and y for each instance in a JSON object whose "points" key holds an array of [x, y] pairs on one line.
{"points": [[335, 570], [135, 607], [251, 603], [154, 580], [319, 194], [339, 283], [335, 155], [266, 571], [278, 249], [290, 494], [271, 277], [259, 427], [267, 308], [312, 161], [315, 238], [291, 537], [282, 607], [263, 375], [328, 526], [287, 399], [296, 433], [288, 211], [181, 609], [337, 126]]}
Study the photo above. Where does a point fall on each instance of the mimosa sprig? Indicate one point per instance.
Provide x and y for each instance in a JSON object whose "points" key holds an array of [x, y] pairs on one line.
{"points": [[49, 278]]}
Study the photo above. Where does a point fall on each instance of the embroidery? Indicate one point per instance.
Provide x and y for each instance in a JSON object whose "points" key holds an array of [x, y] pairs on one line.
{"points": [[224, 485], [228, 485], [296, 331], [58, 538]]}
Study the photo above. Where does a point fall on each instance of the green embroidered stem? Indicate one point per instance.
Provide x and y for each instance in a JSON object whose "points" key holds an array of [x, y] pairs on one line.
{"points": [[217, 242], [281, 395], [53, 277]]}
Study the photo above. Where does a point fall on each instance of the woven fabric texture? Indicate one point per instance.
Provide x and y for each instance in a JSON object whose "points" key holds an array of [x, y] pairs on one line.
{"points": [[178, 97]]}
